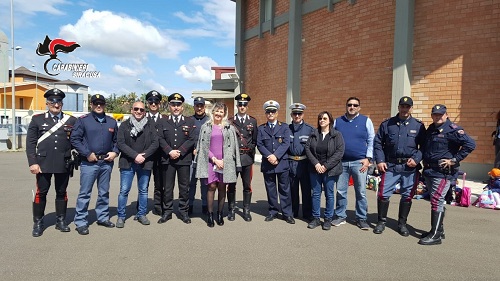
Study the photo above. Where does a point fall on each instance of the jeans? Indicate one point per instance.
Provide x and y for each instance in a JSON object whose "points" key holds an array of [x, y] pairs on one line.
{"points": [[319, 181], [89, 173], [407, 180], [351, 168], [192, 188], [126, 177]]}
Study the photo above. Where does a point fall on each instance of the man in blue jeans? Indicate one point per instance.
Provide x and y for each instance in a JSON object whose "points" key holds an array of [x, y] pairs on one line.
{"points": [[358, 130], [94, 137]]}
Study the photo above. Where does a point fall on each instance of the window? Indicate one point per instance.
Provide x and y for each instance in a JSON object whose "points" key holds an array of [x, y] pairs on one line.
{"points": [[268, 10]]}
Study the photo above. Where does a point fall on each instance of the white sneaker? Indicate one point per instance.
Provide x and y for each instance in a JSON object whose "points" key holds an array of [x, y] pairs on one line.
{"points": [[497, 207]]}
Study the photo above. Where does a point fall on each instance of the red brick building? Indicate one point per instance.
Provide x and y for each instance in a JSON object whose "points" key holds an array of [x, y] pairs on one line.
{"points": [[320, 52]]}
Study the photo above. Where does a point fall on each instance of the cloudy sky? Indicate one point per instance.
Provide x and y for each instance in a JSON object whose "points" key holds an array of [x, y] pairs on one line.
{"points": [[166, 45]]}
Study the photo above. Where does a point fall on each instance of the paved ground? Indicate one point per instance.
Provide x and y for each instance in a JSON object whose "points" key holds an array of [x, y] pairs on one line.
{"points": [[239, 250]]}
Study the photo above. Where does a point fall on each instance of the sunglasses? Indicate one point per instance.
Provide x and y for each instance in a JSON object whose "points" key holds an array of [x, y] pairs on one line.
{"points": [[297, 113], [54, 102], [271, 111], [323, 118], [98, 104], [139, 109], [352, 105], [240, 104]]}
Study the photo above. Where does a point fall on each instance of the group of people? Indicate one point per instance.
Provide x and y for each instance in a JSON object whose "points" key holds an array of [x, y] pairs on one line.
{"points": [[299, 161]]}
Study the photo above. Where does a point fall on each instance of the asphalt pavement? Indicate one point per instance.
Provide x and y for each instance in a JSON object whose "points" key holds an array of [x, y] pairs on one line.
{"points": [[239, 250]]}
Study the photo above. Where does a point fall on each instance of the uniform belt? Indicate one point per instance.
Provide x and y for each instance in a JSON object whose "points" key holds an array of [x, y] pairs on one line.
{"points": [[397, 160], [101, 157], [244, 150], [297, 157], [432, 165]]}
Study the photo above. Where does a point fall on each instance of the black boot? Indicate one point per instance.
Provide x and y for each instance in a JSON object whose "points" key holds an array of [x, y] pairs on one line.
{"points": [[61, 206], [382, 208], [231, 204], [247, 198], [404, 210], [38, 213], [220, 218], [434, 236], [210, 220], [441, 228]]}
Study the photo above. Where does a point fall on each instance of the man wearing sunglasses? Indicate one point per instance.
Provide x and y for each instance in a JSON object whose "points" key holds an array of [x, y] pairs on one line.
{"points": [[358, 131], [299, 173], [177, 143], [153, 99], [246, 130], [199, 117], [94, 137], [49, 151], [273, 140], [138, 142]]}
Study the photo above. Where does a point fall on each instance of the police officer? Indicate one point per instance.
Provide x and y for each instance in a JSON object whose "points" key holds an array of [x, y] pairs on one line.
{"points": [[446, 146], [299, 173], [176, 142], [397, 152], [246, 131], [273, 140], [95, 138], [199, 117], [153, 99], [49, 153]]}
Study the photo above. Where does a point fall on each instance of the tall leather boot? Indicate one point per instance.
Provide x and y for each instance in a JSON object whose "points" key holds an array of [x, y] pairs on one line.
{"points": [[247, 198], [441, 227], [61, 206], [404, 210], [382, 208], [38, 213], [231, 204], [434, 237], [220, 218]]}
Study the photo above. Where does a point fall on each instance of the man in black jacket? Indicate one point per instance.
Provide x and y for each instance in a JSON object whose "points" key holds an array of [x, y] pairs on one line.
{"points": [[49, 153]]}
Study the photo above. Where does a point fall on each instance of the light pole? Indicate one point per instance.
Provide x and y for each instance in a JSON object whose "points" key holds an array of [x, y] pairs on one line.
{"points": [[5, 80], [13, 80], [36, 83]]}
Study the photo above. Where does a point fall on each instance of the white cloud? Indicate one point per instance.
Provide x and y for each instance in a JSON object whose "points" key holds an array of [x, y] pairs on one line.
{"points": [[197, 70], [124, 71], [32, 7], [120, 36]]}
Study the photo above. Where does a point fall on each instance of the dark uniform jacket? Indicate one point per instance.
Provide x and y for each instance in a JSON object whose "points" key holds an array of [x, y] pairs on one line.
{"points": [[396, 141], [53, 152], [148, 139], [274, 142], [445, 142], [247, 138], [176, 137], [335, 152], [89, 135], [157, 155]]}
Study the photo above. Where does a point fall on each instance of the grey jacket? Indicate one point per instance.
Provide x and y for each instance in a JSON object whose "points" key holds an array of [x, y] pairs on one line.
{"points": [[231, 153]]}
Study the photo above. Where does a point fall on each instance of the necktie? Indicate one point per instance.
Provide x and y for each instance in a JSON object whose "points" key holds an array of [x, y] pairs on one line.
{"points": [[242, 120], [154, 118], [176, 120], [271, 126], [56, 118]]}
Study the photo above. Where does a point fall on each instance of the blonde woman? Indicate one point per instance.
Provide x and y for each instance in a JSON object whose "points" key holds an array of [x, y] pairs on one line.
{"points": [[217, 159]]}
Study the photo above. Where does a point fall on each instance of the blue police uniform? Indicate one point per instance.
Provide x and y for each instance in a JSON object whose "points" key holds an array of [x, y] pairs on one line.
{"points": [[94, 134], [395, 143], [446, 141], [276, 141], [299, 173]]}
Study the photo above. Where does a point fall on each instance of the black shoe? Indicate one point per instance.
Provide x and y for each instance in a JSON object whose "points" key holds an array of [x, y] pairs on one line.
{"points": [[204, 210], [83, 230], [231, 215], [379, 228], [220, 218], [270, 217], [403, 230], [190, 210], [164, 218], [290, 220], [327, 224], [315, 222], [106, 223], [62, 226], [210, 220], [38, 228], [185, 219]]}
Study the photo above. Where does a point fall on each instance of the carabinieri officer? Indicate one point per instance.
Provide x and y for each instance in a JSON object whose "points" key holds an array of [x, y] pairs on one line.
{"points": [[49, 151], [273, 140]]}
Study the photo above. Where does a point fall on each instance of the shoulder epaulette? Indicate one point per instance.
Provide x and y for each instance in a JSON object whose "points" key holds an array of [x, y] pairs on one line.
{"points": [[386, 119], [418, 120], [263, 124], [251, 117], [83, 116], [453, 126]]}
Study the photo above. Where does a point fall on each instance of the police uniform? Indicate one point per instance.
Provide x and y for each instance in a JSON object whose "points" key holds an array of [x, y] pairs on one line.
{"points": [[48, 145], [297, 159], [155, 96], [198, 122], [94, 133], [246, 131], [176, 135], [395, 143], [274, 139], [445, 141]]}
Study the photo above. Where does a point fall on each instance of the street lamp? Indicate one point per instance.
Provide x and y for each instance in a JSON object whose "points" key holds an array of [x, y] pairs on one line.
{"points": [[36, 83]]}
